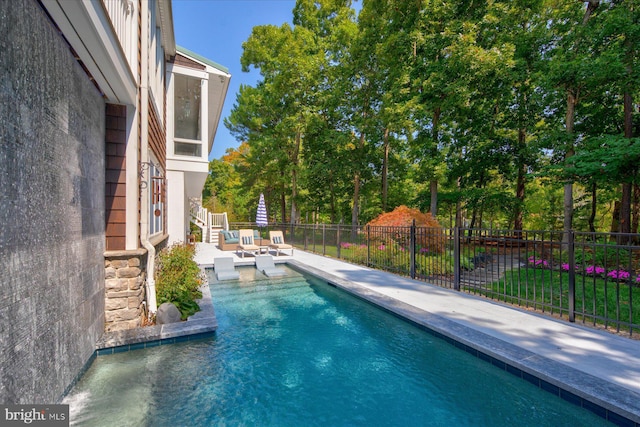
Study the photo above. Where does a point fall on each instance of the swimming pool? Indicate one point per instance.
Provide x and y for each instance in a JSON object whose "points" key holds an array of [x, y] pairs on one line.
{"points": [[299, 352]]}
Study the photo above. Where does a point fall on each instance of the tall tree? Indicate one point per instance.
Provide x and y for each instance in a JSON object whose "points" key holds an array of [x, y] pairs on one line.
{"points": [[571, 64]]}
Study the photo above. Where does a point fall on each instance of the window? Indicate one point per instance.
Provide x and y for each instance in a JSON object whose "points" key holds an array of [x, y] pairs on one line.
{"points": [[156, 190], [187, 108]]}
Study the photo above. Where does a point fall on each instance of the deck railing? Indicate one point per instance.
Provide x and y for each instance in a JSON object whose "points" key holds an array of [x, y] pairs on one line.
{"points": [[218, 220], [592, 278]]}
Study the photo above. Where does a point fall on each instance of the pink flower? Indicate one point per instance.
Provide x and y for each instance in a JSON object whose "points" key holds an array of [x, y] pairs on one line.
{"points": [[381, 247], [424, 250], [565, 266], [592, 269], [618, 274], [538, 262], [345, 245]]}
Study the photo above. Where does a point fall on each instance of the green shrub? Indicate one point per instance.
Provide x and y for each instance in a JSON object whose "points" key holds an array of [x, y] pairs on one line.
{"points": [[178, 279]]}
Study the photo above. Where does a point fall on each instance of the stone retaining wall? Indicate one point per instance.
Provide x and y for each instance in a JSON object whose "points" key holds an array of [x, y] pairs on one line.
{"points": [[125, 289]]}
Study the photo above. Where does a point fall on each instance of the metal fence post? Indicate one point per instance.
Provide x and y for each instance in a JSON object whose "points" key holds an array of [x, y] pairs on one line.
{"points": [[412, 254], [368, 245], [456, 258], [324, 246], [313, 237], [572, 276], [304, 236], [338, 241]]}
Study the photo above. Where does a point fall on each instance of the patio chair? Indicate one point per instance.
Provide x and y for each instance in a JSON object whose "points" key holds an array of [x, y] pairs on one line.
{"points": [[225, 269], [277, 242], [246, 243], [264, 263]]}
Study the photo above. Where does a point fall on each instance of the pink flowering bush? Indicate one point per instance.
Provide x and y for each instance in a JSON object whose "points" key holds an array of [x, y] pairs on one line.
{"points": [[538, 262], [619, 274], [594, 270]]}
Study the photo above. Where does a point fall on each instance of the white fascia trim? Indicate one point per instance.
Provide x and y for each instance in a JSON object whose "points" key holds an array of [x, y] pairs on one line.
{"points": [[216, 105], [87, 28], [166, 25]]}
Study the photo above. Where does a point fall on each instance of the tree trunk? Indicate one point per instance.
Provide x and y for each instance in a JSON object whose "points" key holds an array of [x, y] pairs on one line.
{"points": [[294, 178], [434, 198], [570, 118], [591, 7], [635, 210], [458, 222], [283, 201], [434, 181], [594, 205], [332, 198], [615, 226], [572, 102], [520, 185], [625, 202], [355, 210], [385, 169]]}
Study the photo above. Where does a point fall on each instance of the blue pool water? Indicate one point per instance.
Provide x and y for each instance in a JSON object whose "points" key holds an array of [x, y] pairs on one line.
{"points": [[296, 352]]}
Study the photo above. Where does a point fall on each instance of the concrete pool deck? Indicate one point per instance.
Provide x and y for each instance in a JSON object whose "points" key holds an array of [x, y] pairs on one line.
{"points": [[581, 363]]}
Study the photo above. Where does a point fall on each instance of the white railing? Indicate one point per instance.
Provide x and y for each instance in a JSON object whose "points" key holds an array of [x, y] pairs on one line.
{"points": [[202, 215], [208, 222], [122, 14], [218, 221]]}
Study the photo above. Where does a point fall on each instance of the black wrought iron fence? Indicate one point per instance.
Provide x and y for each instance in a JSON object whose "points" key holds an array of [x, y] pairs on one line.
{"points": [[593, 278]]}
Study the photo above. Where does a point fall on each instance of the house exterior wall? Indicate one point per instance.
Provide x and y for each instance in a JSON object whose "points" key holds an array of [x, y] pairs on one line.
{"points": [[52, 216], [115, 175], [176, 207]]}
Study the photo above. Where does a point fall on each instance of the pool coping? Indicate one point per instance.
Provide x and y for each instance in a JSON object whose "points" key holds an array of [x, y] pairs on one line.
{"points": [[202, 324], [608, 400]]}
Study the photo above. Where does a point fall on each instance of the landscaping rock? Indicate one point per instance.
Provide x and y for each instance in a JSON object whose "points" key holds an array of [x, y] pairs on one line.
{"points": [[167, 313]]}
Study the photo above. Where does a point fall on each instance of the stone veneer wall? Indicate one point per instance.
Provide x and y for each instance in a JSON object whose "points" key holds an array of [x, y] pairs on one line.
{"points": [[125, 289], [52, 204]]}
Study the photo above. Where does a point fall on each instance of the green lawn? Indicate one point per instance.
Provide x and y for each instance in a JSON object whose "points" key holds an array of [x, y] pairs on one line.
{"points": [[598, 301]]}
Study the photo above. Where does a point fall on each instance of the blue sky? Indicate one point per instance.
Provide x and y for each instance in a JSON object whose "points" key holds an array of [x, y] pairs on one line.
{"points": [[216, 30]]}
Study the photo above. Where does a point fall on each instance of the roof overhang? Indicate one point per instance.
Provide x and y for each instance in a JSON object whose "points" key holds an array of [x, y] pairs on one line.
{"points": [[87, 27], [166, 26]]}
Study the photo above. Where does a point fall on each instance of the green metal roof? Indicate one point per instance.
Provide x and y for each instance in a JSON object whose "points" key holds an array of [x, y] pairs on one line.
{"points": [[202, 59]]}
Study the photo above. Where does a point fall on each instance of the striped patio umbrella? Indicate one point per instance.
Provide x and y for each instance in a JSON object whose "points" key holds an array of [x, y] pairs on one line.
{"points": [[261, 216]]}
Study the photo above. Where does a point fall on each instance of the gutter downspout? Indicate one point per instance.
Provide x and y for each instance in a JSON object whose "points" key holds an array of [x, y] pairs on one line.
{"points": [[152, 305]]}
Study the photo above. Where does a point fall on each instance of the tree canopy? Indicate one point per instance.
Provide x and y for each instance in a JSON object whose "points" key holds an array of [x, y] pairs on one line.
{"points": [[510, 114]]}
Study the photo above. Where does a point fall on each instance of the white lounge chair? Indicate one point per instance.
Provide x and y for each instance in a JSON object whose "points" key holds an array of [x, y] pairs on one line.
{"points": [[246, 243], [277, 242], [265, 264], [225, 269]]}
